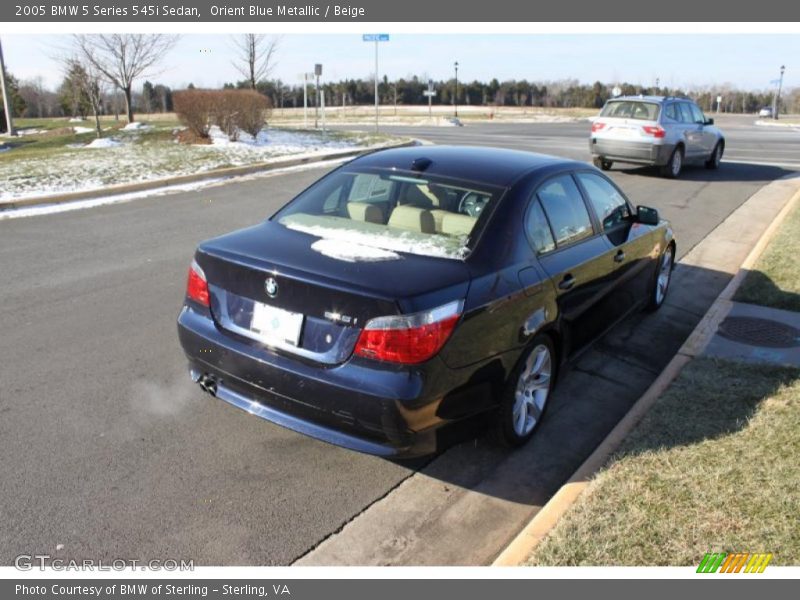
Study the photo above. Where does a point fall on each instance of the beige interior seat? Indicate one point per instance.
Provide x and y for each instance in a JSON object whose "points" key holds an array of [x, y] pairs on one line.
{"points": [[412, 218], [438, 216], [364, 211], [457, 224]]}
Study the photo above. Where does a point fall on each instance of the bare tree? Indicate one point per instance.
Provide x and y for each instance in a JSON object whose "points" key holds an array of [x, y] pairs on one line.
{"points": [[255, 56], [89, 80], [123, 57]]}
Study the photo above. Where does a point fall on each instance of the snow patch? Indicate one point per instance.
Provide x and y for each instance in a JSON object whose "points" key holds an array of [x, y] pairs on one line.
{"points": [[4, 148], [773, 123], [136, 126], [350, 252], [103, 143], [77, 120], [83, 129]]}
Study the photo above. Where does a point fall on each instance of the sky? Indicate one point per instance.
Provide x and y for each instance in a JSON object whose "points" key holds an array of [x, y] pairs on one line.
{"points": [[679, 61]]}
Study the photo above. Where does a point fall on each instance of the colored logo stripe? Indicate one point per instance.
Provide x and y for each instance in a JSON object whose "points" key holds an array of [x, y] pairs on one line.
{"points": [[734, 563]]}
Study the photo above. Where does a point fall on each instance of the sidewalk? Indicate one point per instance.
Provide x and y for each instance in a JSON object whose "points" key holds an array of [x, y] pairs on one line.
{"points": [[711, 465]]}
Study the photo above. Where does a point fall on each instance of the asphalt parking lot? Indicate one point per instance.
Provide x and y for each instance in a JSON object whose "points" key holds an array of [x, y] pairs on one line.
{"points": [[109, 451]]}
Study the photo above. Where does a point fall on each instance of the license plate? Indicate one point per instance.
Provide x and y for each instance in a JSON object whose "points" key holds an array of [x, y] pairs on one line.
{"points": [[625, 131], [275, 324]]}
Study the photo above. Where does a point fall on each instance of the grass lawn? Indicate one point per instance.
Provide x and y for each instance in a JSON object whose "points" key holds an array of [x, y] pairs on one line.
{"points": [[775, 278], [711, 468], [50, 157]]}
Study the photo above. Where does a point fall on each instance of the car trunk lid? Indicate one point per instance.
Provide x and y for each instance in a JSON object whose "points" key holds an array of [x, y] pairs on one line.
{"points": [[267, 284]]}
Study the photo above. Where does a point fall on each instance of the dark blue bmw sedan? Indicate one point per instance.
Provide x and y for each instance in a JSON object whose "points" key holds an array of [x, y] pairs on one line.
{"points": [[412, 294]]}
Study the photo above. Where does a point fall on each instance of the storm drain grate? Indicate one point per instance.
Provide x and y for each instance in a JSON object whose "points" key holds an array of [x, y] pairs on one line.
{"points": [[760, 332]]}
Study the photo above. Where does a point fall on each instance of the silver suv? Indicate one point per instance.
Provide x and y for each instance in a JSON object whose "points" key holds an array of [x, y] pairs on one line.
{"points": [[655, 130]]}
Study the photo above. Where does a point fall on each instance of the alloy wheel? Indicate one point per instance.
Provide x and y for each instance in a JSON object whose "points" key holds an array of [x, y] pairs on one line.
{"points": [[533, 388]]}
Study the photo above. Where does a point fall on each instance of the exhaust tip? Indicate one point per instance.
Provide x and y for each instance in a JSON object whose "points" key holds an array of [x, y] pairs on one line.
{"points": [[208, 384]]}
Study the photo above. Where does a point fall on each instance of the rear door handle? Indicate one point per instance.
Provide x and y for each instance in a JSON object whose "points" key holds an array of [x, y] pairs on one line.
{"points": [[619, 256], [567, 282]]}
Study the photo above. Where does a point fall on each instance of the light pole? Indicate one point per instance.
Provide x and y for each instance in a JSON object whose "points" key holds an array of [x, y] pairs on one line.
{"points": [[776, 99], [455, 96]]}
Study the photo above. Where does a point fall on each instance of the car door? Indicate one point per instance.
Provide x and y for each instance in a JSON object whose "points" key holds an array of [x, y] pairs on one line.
{"points": [[633, 247], [708, 139], [578, 261], [692, 131]]}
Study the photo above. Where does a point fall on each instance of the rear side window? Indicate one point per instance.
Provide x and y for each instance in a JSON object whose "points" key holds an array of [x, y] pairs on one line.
{"points": [[631, 109], [565, 210], [671, 111], [609, 205], [369, 188], [538, 229]]}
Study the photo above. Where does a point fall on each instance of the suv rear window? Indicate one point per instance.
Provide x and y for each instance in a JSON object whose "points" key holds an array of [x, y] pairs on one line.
{"points": [[631, 109]]}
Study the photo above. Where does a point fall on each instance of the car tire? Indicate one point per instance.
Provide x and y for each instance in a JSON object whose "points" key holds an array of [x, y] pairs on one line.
{"points": [[716, 157], [674, 165], [525, 394], [602, 163], [661, 279]]}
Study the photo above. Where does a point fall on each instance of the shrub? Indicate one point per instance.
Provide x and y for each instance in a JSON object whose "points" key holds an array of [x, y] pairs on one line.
{"points": [[195, 109], [252, 111], [232, 110]]}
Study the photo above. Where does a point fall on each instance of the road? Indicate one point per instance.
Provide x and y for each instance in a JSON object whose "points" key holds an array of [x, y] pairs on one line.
{"points": [[109, 451]]}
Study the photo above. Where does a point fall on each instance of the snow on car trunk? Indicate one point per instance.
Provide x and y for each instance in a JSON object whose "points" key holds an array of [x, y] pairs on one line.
{"points": [[376, 236]]}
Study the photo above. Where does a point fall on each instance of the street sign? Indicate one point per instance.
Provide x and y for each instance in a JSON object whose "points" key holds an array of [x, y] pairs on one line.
{"points": [[429, 93], [719, 99], [377, 37], [317, 70]]}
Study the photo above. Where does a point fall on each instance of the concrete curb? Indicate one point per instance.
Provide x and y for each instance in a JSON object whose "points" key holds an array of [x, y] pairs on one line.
{"points": [[228, 172], [548, 516]]}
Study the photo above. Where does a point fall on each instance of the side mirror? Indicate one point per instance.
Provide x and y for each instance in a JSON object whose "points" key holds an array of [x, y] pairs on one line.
{"points": [[709, 121], [647, 216]]}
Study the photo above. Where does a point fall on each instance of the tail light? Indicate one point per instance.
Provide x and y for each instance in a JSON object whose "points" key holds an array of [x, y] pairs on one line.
{"points": [[597, 126], [409, 339], [656, 132], [196, 285]]}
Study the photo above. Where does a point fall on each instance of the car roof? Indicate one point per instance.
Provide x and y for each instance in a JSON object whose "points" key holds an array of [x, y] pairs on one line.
{"points": [[656, 99], [493, 166]]}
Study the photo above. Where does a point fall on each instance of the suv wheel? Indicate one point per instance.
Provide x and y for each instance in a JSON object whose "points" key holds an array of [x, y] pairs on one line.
{"points": [[715, 158], [602, 163], [673, 167]]}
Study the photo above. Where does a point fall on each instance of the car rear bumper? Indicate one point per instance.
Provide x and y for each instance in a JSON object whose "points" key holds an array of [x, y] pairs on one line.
{"points": [[645, 153], [381, 409]]}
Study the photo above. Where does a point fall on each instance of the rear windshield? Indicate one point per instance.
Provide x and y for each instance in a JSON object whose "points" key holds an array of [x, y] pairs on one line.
{"points": [[631, 109], [372, 214]]}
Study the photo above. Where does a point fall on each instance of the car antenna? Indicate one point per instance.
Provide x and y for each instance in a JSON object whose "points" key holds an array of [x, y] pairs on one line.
{"points": [[420, 164]]}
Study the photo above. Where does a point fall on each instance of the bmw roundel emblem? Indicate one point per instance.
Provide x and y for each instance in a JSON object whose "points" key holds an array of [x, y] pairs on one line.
{"points": [[271, 287]]}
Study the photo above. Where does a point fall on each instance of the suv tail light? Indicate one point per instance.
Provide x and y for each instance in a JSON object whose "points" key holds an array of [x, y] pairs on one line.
{"points": [[656, 132], [597, 126], [409, 339], [197, 286]]}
